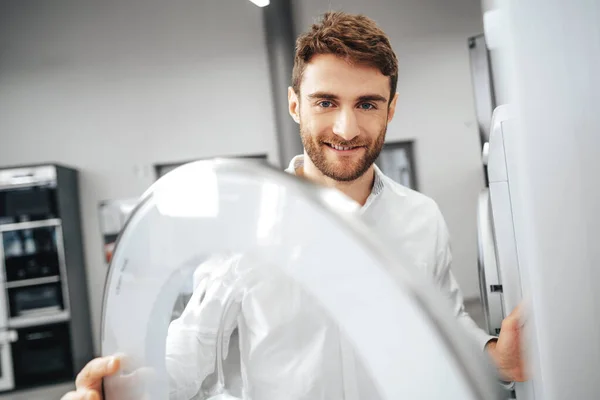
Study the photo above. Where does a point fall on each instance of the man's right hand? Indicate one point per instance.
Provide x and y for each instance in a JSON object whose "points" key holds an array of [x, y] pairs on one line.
{"points": [[89, 381]]}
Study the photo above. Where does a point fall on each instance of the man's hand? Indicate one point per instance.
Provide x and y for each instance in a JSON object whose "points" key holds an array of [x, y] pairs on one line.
{"points": [[89, 380], [506, 352]]}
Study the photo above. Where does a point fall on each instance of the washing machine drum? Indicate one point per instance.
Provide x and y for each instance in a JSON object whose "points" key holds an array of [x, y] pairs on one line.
{"points": [[232, 280]]}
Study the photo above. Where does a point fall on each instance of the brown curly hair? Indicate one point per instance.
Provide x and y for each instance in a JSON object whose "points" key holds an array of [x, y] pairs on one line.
{"points": [[356, 38]]}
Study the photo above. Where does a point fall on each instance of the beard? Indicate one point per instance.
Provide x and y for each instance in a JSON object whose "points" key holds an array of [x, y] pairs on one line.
{"points": [[341, 168]]}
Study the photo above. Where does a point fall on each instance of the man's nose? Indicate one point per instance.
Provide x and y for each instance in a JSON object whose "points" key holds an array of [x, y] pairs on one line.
{"points": [[346, 125]]}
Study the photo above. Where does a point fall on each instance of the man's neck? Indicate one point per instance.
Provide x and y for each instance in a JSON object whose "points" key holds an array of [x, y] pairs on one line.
{"points": [[358, 190]]}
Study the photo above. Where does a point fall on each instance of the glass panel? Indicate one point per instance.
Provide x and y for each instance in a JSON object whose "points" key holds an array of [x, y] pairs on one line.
{"points": [[233, 281], [31, 253], [28, 204], [36, 299], [42, 354], [395, 160]]}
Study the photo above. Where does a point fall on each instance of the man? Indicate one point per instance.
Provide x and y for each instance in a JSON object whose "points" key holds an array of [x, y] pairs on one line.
{"points": [[343, 96]]}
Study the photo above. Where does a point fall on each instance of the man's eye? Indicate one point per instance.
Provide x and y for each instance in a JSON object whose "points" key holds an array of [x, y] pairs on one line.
{"points": [[325, 104], [367, 106]]}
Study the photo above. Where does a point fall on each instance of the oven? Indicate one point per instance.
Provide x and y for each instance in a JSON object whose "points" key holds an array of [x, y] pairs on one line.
{"points": [[42, 354], [35, 336], [34, 273], [28, 194], [34, 301], [31, 250]]}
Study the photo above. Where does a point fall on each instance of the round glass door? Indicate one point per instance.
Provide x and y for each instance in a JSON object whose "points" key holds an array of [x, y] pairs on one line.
{"points": [[232, 280]]}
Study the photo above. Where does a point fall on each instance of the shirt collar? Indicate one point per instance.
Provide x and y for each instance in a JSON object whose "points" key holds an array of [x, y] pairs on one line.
{"points": [[378, 184]]}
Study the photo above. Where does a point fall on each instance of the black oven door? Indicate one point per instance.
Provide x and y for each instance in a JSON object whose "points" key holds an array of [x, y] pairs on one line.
{"points": [[31, 251], [35, 300], [32, 203], [42, 354]]}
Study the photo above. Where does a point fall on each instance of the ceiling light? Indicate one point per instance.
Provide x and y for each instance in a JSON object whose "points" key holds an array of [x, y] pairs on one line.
{"points": [[261, 3]]}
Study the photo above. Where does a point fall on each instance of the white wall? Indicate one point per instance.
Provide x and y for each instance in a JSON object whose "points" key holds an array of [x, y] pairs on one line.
{"points": [[435, 106], [112, 87]]}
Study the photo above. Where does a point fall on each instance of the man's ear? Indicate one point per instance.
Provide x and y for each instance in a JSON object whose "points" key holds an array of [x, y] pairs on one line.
{"points": [[392, 108], [294, 105]]}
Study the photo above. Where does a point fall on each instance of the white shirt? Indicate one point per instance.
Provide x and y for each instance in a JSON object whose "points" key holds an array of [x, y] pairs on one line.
{"points": [[289, 347], [415, 226]]}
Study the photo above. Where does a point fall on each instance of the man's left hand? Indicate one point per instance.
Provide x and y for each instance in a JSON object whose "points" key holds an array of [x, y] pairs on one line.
{"points": [[506, 352]]}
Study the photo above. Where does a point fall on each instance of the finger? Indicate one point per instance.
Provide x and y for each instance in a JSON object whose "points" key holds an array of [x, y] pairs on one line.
{"points": [[520, 314], [91, 375], [517, 311], [511, 323]]}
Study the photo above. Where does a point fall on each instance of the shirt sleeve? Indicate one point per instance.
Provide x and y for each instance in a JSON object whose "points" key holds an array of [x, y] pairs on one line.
{"points": [[193, 338], [445, 281]]}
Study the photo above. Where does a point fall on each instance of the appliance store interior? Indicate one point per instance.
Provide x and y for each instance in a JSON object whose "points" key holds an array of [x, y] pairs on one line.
{"points": [[138, 136]]}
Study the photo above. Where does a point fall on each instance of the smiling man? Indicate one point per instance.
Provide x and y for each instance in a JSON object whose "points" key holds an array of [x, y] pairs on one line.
{"points": [[343, 96], [343, 109]]}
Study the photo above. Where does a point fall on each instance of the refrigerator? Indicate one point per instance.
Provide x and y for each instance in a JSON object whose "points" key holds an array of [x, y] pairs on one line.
{"points": [[539, 217]]}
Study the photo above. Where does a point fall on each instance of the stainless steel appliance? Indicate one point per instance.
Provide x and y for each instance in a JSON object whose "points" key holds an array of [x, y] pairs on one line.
{"points": [[35, 278], [43, 292]]}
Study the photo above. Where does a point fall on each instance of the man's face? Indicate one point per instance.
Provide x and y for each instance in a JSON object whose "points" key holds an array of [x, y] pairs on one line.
{"points": [[343, 111]]}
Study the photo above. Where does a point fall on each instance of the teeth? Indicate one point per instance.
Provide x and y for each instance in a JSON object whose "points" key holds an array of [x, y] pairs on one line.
{"points": [[340, 147]]}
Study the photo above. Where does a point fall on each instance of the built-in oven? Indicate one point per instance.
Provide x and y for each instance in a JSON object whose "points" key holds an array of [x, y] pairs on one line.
{"points": [[35, 300], [34, 278], [31, 250], [35, 338], [28, 194], [42, 354]]}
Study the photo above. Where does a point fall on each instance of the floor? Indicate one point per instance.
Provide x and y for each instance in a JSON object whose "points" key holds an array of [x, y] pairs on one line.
{"points": [[47, 393], [473, 307]]}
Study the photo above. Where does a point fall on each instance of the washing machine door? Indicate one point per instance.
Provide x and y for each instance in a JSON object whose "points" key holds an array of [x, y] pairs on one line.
{"points": [[232, 280]]}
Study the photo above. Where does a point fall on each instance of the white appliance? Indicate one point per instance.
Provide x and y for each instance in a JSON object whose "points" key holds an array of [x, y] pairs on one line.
{"points": [[544, 188], [301, 261], [500, 271]]}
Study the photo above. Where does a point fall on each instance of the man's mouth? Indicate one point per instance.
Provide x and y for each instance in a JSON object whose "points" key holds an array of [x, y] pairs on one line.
{"points": [[342, 148]]}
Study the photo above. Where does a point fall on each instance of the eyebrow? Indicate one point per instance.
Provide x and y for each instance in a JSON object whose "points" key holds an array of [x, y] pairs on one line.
{"points": [[373, 97], [323, 95], [363, 98]]}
